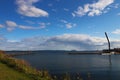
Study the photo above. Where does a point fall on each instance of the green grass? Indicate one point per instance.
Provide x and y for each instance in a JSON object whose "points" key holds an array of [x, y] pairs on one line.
{"points": [[7, 73]]}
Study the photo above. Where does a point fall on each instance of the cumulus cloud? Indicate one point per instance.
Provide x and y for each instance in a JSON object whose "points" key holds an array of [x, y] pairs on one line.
{"points": [[96, 8], [68, 24], [117, 31], [59, 42], [26, 8]]}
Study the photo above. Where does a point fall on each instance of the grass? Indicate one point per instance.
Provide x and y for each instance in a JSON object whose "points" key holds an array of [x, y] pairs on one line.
{"points": [[7, 73]]}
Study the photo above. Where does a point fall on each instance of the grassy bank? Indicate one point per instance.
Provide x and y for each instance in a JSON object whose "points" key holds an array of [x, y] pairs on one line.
{"points": [[19, 69], [7, 73]]}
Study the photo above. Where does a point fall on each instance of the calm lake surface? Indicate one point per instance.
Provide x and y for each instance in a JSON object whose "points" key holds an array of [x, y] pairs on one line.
{"points": [[57, 63]]}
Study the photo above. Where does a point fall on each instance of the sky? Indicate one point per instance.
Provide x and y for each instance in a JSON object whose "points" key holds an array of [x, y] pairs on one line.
{"points": [[59, 24]]}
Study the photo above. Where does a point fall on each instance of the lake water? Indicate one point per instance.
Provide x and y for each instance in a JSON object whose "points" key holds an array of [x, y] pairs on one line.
{"points": [[57, 63]]}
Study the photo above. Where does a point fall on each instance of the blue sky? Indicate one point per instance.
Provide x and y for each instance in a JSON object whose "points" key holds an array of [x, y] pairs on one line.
{"points": [[58, 24]]}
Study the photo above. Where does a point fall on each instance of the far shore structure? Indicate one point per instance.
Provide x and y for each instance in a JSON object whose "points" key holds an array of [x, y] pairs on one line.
{"points": [[109, 50]]}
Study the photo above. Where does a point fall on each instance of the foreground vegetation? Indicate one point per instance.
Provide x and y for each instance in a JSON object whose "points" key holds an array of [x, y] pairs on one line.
{"points": [[19, 70], [7, 73]]}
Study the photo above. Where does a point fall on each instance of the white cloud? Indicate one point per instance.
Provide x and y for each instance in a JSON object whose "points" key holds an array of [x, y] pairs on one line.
{"points": [[65, 9], [11, 25], [28, 27], [117, 31], [96, 8], [64, 21], [73, 14], [1, 26], [54, 10], [43, 25], [118, 14], [26, 8], [68, 24], [117, 5]]}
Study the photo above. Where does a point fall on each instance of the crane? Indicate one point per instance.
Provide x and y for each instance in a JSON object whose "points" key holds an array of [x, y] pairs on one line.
{"points": [[108, 48]]}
